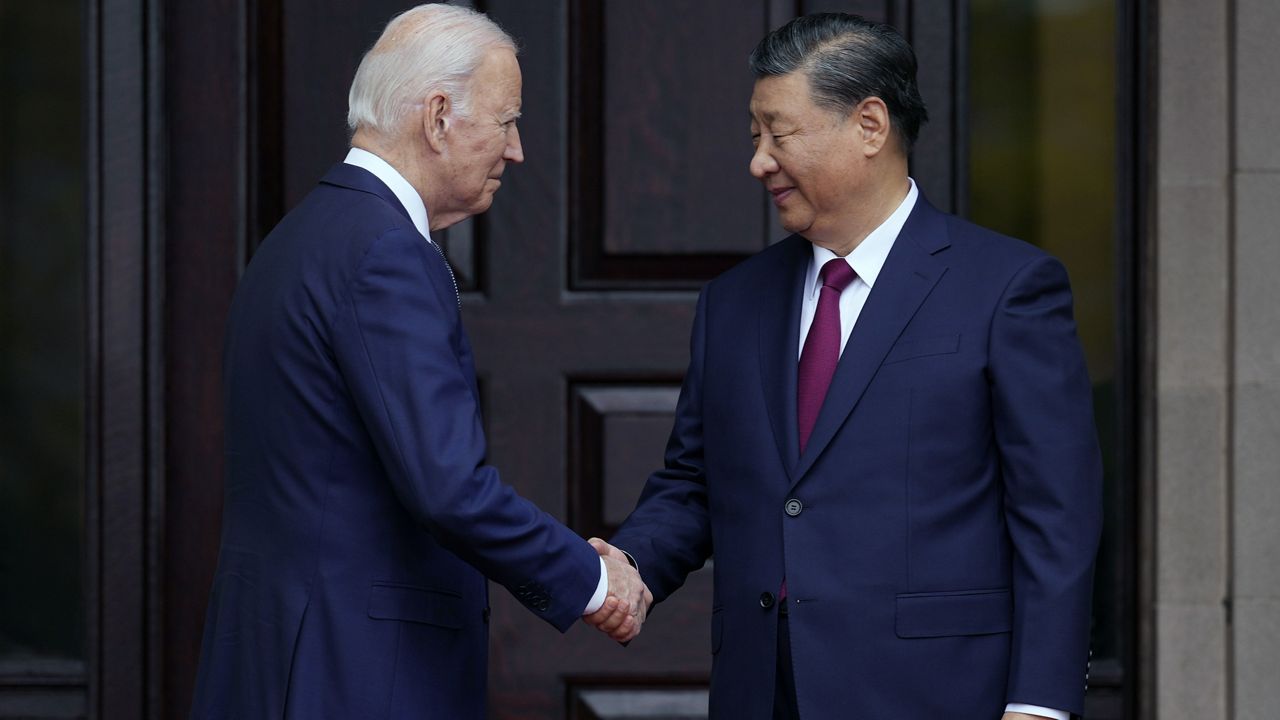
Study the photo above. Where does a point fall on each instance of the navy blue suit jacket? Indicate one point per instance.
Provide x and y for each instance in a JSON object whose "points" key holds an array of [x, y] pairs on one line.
{"points": [[360, 519], [939, 559]]}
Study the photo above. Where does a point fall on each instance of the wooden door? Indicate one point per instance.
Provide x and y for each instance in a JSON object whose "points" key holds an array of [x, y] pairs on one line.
{"points": [[578, 285]]}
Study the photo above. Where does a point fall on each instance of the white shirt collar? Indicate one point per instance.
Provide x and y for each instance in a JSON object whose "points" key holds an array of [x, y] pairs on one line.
{"points": [[392, 178], [869, 256]]}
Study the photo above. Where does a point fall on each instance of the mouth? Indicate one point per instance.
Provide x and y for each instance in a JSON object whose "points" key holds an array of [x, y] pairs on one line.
{"points": [[780, 195]]}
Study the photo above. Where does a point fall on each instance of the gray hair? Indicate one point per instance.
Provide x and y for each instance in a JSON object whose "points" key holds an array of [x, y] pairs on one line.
{"points": [[427, 48], [848, 59]]}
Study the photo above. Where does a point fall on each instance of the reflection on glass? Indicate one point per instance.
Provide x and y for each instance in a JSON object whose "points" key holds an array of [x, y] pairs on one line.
{"points": [[1042, 168], [42, 224]]}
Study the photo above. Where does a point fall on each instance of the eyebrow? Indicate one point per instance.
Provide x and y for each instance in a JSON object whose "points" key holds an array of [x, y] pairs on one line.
{"points": [[767, 116]]}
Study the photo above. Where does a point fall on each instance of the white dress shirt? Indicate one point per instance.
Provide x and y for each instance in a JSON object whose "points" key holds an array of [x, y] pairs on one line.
{"points": [[417, 209], [866, 260]]}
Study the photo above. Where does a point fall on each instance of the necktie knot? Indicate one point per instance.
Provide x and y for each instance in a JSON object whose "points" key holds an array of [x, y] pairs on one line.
{"points": [[836, 274]]}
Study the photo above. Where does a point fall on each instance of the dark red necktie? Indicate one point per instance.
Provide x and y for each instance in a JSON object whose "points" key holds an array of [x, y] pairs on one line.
{"points": [[821, 353], [821, 347]]}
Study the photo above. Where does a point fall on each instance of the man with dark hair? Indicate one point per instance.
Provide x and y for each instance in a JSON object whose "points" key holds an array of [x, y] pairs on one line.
{"points": [[885, 432]]}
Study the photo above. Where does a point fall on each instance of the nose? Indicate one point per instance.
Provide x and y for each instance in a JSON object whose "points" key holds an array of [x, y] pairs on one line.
{"points": [[762, 162], [514, 152]]}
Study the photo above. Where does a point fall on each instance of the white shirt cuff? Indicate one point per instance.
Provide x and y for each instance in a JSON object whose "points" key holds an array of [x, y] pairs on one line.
{"points": [[1037, 710], [602, 591]]}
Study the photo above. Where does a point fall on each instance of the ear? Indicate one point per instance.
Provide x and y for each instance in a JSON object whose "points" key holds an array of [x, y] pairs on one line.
{"points": [[874, 124], [437, 120]]}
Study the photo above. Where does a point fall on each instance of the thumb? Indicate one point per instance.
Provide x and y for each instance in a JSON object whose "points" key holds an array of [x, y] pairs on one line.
{"points": [[604, 549]]}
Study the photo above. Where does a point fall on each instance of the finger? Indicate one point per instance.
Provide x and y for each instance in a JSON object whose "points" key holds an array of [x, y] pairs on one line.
{"points": [[611, 625], [614, 607], [601, 546], [615, 620], [626, 630], [632, 633], [609, 607], [623, 608]]}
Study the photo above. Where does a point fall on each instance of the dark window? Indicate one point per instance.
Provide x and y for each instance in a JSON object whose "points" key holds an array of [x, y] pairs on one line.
{"points": [[1044, 127], [42, 331]]}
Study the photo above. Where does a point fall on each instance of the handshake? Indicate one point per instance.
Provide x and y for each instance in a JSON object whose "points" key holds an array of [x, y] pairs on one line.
{"points": [[627, 604]]}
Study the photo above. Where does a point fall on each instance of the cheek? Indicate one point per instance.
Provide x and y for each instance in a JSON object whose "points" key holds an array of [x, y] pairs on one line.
{"points": [[829, 181]]}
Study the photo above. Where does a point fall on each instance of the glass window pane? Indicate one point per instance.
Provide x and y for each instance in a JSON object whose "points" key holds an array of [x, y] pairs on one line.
{"points": [[42, 317], [1043, 168]]}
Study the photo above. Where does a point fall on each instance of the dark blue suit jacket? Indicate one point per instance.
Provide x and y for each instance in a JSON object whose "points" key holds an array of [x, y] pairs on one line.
{"points": [[939, 561], [360, 519]]}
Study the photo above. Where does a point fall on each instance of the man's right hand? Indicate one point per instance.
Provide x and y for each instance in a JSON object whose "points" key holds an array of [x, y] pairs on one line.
{"points": [[627, 605]]}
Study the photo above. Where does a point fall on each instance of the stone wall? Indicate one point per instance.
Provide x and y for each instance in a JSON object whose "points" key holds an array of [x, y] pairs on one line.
{"points": [[1214, 259]]}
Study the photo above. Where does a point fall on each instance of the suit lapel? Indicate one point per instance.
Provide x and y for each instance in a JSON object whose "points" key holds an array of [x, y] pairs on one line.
{"points": [[779, 339], [909, 274]]}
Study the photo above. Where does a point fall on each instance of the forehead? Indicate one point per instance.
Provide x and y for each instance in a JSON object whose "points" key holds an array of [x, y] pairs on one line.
{"points": [[497, 78], [776, 97]]}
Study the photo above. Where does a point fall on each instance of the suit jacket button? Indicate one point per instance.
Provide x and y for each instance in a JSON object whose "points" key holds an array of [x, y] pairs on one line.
{"points": [[793, 507], [766, 600]]}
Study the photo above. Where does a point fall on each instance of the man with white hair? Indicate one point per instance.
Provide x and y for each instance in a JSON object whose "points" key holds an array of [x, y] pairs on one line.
{"points": [[360, 520]]}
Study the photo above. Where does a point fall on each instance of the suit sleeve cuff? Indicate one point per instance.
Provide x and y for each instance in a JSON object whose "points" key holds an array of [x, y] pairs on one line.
{"points": [[1037, 710], [602, 591]]}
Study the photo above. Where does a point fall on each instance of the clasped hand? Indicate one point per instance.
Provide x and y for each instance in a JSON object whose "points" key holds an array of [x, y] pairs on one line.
{"points": [[627, 605]]}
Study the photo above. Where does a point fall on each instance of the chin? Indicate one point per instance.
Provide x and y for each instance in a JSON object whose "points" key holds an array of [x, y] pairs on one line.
{"points": [[795, 222], [798, 228]]}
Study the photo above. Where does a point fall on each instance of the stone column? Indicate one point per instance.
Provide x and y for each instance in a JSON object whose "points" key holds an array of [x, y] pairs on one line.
{"points": [[1255, 367], [1192, 261]]}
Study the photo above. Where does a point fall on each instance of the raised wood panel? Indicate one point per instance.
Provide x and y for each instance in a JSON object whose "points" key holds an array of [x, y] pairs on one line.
{"points": [[463, 245], [669, 699], [617, 434], [658, 143], [632, 442], [675, 135]]}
